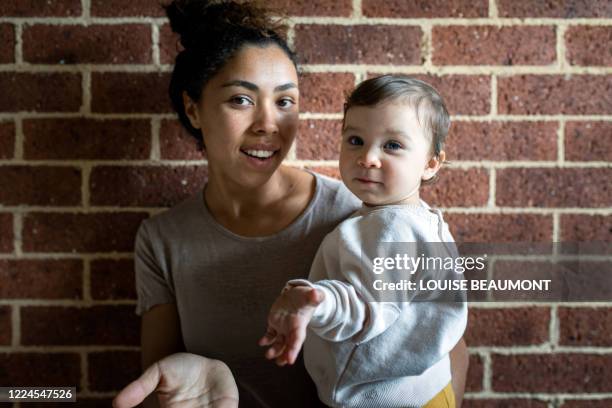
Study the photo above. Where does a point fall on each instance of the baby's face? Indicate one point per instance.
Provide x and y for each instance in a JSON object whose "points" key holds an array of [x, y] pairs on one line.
{"points": [[384, 153]]}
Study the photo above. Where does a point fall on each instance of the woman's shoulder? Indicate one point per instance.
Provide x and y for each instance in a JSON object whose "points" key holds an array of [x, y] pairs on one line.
{"points": [[180, 215]]}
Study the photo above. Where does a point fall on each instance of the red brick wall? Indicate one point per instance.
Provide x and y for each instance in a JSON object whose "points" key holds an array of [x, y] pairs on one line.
{"points": [[89, 147]]}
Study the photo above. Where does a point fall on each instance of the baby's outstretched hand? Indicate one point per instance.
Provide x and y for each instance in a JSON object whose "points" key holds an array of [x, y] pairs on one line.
{"points": [[287, 323]]}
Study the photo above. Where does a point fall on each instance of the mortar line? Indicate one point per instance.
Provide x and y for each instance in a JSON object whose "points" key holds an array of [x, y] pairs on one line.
{"points": [[493, 12], [86, 92], [16, 326], [17, 234], [19, 43], [155, 154], [561, 142], [357, 10], [19, 138], [85, 182], [155, 49]]}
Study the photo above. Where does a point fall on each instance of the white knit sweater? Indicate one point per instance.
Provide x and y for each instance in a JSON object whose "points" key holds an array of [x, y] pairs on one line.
{"points": [[366, 353]]}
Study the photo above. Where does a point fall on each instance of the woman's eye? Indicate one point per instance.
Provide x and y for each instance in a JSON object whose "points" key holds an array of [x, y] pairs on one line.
{"points": [[392, 146], [354, 140], [286, 103], [241, 100]]}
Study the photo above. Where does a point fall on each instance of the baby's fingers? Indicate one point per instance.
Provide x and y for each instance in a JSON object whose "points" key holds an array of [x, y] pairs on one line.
{"points": [[268, 338], [294, 345], [276, 349]]}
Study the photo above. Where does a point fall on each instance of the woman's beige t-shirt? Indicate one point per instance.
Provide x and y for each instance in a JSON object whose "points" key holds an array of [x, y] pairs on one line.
{"points": [[223, 285]]}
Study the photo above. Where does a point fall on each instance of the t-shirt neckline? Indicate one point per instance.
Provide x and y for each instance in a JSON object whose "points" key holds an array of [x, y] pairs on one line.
{"points": [[287, 230]]}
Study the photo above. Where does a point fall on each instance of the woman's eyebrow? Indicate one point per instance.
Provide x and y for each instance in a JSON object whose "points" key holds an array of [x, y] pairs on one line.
{"points": [[252, 87]]}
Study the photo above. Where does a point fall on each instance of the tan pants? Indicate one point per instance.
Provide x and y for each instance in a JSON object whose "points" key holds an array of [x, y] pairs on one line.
{"points": [[443, 399]]}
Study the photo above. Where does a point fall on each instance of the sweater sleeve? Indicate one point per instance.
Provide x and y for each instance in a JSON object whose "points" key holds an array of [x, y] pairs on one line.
{"points": [[348, 311]]}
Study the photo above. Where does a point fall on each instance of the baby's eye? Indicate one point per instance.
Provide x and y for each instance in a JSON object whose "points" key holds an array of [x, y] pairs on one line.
{"points": [[241, 100], [286, 103], [354, 140], [392, 145]]}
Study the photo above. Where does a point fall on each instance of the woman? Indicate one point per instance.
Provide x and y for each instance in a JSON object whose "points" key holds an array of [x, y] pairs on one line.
{"points": [[208, 269]]}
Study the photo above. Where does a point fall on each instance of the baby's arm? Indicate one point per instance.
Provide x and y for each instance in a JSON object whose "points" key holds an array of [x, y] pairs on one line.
{"points": [[287, 322]]}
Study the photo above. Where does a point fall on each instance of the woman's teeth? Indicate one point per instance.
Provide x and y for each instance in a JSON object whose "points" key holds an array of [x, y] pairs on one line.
{"points": [[260, 154]]}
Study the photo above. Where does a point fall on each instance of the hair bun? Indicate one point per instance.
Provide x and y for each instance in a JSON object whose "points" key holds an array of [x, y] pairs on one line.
{"points": [[197, 21]]}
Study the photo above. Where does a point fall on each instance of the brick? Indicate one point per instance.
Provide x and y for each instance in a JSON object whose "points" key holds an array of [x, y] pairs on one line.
{"points": [[96, 325], [475, 374], [35, 8], [42, 92], [502, 141], [7, 140], [587, 141], [552, 9], [507, 327], [562, 372], [585, 326], [41, 279], [588, 45], [503, 403], [463, 94], [41, 185], [117, 92], [491, 45], [111, 371], [94, 44], [6, 331], [120, 8], [553, 187], [87, 139], [341, 8], [425, 9], [175, 143], [169, 45], [328, 171], [325, 92], [359, 44], [152, 186], [586, 403], [113, 279], [89, 232], [458, 188], [585, 228], [319, 139], [6, 232], [555, 94], [7, 47], [499, 228], [41, 369]]}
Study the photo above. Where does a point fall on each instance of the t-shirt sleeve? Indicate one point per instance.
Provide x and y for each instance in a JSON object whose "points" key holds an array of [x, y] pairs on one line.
{"points": [[152, 285]]}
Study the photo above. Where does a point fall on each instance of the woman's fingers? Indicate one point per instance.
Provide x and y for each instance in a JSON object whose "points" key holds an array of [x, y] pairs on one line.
{"points": [[276, 349], [135, 392]]}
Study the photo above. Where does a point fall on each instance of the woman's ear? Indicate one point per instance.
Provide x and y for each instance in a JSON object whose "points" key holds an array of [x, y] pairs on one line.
{"points": [[191, 110], [433, 165]]}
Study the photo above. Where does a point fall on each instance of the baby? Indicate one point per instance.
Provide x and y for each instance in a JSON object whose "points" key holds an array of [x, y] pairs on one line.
{"points": [[362, 351]]}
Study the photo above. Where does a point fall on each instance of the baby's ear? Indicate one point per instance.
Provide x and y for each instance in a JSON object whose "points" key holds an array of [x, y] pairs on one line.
{"points": [[433, 165]]}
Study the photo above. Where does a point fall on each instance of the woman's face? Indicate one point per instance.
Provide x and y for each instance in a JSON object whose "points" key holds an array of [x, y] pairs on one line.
{"points": [[248, 114]]}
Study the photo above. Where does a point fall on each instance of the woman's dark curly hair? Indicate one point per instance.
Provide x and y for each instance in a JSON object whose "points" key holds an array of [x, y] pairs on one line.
{"points": [[212, 32]]}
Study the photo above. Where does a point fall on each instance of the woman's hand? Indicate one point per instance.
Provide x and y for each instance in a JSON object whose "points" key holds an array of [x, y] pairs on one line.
{"points": [[287, 323], [183, 380]]}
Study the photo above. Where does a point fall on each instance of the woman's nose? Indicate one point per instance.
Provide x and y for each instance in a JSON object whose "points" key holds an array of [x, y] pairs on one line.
{"points": [[369, 159], [265, 120]]}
